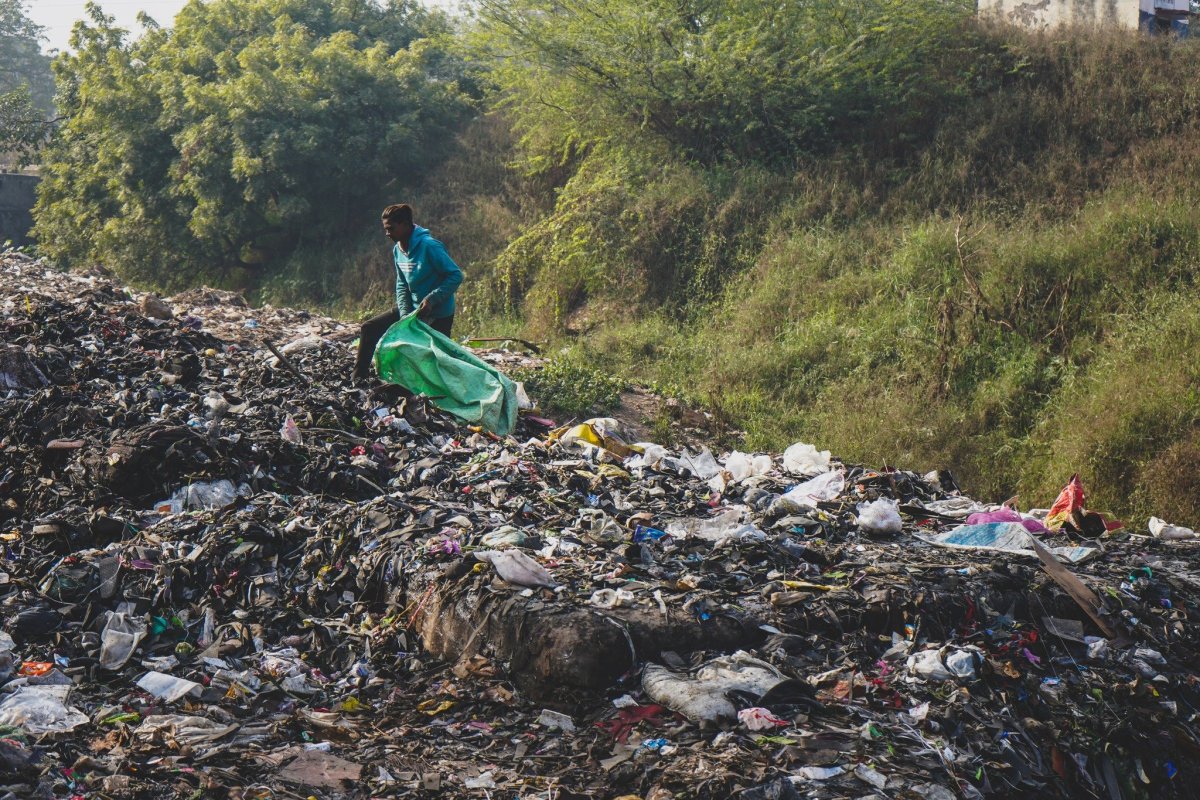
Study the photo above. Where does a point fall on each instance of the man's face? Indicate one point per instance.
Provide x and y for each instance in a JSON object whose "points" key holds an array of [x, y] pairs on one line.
{"points": [[396, 230]]}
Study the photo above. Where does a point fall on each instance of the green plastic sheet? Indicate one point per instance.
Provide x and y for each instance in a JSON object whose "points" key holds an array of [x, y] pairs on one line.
{"points": [[424, 361]]}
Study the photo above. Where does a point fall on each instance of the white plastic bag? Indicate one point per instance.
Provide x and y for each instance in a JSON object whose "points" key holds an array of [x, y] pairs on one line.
{"points": [[651, 456], [880, 516], [702, 464], [1167, 532], [804, 459], [202, 495], [611, 598], [824, 487], [945, 664], [516, 567], [182, 728], [742, 466]]}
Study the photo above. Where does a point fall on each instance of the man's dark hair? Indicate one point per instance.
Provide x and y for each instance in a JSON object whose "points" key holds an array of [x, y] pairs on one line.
{"points": [[399, 212]]}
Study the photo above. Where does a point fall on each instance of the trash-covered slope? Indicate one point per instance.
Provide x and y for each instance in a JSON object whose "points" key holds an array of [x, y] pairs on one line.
{"points": [[229, 573]]}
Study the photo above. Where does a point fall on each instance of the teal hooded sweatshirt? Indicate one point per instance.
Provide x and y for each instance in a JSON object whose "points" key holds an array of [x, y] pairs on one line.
{"points": [[426, 271]]}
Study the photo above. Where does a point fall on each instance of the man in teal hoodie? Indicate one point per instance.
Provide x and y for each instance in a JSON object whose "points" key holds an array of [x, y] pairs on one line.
{"points": [[426, 279]]}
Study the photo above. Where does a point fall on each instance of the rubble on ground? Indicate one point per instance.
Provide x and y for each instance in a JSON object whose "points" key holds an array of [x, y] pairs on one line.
{"points": [[228, 572]]}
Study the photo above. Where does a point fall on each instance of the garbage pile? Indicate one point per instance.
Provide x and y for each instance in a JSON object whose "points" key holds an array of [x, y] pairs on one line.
{"points": [[228, 572]]}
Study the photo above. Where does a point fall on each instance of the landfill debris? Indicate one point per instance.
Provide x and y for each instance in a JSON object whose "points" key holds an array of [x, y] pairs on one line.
{"points": [[315, 769], [383, 600], [703, 696]]}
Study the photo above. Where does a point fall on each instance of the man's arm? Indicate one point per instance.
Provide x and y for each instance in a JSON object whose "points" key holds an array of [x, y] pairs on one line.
{"points": [[452, 276], [404, 298]]}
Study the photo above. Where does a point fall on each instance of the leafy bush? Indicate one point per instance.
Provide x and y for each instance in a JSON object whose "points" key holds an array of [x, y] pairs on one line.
{"points": [[567, 386], [748, 79]]}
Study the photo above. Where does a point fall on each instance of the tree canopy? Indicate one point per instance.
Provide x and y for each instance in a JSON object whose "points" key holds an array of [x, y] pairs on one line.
{"points": [[26, 83], [250, 128]]}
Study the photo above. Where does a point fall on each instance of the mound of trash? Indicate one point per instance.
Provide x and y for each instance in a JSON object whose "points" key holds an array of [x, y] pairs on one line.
{"points": [[229, 572]]}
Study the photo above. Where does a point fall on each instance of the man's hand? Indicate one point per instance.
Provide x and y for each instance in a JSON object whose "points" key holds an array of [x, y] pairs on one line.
{"points": [[424, 311]]}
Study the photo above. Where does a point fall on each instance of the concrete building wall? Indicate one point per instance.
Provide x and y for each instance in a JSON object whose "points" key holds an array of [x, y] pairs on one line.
{"points": [[1052, 13], [17, 196]]}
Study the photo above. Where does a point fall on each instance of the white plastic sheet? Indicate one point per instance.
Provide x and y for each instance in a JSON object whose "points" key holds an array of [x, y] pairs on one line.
{"points": [[40, 709], [121, 635], [168, 687], [824, 487], [730, 524]]}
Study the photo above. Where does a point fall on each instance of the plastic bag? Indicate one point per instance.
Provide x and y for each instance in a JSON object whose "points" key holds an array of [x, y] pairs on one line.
{"points": [[704, 694], [759, 719], [202, 495], [290, 432], [1069, 500], [804, 459], [652, 455], [40, 709], [819, 489], [945, 664], [180, 728], [742, 466], [611, 598], [727, 525], [1167, 532], [702, 464], [516, 567], [121, 635], [422, 360], [504, 536], [596, 526], [881, 516]]}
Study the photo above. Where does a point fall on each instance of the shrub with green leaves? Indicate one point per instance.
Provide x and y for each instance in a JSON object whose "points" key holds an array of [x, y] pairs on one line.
{"points": [[569, 387]]}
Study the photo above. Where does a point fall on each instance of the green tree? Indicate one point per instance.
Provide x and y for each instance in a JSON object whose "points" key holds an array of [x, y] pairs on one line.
{"points": [[26, 83], [250, 129]]}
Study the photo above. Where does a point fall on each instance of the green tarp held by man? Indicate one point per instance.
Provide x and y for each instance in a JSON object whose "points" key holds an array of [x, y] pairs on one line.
{"points": [[424, 361]]}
